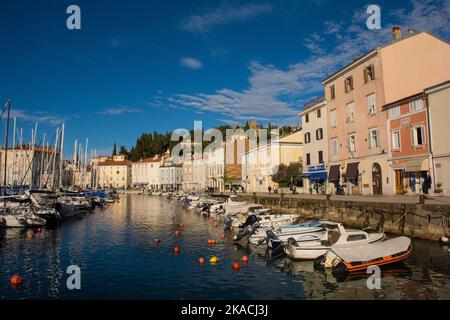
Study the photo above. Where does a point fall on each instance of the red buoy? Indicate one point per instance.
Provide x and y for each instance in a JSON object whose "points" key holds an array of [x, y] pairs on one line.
{"points": [[16, 280], [244, 259], [181, 225], [176, 249], [236, 266], [177, 233], [201, 261], [222, 236]]}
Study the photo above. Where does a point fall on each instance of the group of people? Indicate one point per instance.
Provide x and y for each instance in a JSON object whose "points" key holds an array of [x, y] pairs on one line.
{"points": [[274, 189]]}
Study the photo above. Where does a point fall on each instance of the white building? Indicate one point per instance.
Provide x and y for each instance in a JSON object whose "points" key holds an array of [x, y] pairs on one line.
{"points": [[171, 176], [315, 149], [146, 172]]}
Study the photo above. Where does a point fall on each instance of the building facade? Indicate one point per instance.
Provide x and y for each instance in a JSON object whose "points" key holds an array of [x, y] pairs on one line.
{"points": [[315, 146], [261, 163], [438, 100], [358, 136], [171, 177], [114, 173], [409, 150], [146, 172]]}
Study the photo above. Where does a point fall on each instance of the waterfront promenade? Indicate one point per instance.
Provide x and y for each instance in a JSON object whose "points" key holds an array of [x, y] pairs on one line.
{"points": [[436, 200]]}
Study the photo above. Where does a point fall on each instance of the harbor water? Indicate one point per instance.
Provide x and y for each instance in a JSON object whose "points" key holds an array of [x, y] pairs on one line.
{"points": [[118, 257]]}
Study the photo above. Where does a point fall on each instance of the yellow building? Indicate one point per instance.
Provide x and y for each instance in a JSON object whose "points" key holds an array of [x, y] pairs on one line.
{"points": [[259, 164], [114, 173]]}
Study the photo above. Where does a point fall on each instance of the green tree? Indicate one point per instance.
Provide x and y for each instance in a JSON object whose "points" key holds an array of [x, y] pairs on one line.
{"points": [[114, 153], [288, 174]]}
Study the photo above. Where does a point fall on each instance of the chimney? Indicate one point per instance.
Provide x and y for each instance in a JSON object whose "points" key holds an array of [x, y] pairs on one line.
{"points": [[410, 30], [396, 33]]}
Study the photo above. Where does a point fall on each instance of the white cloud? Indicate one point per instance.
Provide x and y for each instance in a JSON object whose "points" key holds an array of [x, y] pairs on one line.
{"points": [[223, 14], [275, 94], [38, 116], [117, 111], [191, 63]]}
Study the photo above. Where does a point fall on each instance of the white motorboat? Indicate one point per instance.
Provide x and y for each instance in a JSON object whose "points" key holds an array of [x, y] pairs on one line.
{"points": [[313, 229], [336, 236], [21, 220], [232, 206]]}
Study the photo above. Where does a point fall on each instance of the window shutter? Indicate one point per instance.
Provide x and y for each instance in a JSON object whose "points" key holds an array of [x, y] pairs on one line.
{"points": [[370, 140], [413, 135], [422, 132]]}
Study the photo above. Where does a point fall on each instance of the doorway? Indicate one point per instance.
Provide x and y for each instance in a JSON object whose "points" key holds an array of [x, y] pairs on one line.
{"points": [[399, 189], [377, 182]]}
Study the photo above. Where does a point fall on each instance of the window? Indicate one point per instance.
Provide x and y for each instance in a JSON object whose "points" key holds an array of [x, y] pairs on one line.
{"points": [[320, 156], [348, 84], [319, 113], [369, 74], [350, 112], [418, 136], [332, 92], [371, 105], [333, 118], [396, 140], [319, 134], [307, 118], [416, 105], [352, 143], [308, 159], [374, 138], [307, 137], [334, 146], [394, 112]]}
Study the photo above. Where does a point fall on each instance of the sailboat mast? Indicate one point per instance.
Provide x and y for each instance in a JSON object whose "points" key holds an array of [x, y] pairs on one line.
{"points": [[61, 156], [6, 142], [14, 154], [41, 171], [54, 158]]}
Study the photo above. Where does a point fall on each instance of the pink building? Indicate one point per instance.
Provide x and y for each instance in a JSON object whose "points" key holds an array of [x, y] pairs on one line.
{"points": [[358, 133]]}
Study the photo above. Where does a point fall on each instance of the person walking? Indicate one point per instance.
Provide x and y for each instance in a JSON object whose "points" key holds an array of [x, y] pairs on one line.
{"points": [[270, 189], [426, 185], [412, 183]]}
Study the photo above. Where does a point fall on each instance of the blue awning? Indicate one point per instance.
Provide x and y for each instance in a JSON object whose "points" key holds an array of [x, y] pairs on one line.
{"points": [[316, 176]]}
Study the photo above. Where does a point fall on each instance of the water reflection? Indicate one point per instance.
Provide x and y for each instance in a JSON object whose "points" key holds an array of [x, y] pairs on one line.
{"points": [[119, 259]]}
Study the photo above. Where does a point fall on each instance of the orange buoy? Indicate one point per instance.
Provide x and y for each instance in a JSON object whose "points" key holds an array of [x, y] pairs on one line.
{"points": [[176, 249], [181, 225], [201, 261], [16, 280], [222, 236], [177, 233], [236, 266], [244, 259]]}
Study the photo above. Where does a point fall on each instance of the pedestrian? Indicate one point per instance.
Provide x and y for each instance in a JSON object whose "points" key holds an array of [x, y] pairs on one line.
{"points": [[270, 189], [412, 183], [426, 185]]}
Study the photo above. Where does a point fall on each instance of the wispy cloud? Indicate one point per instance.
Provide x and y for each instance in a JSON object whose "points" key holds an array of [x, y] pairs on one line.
{"points": [[191, 63], [277, 94], [117, 111], [39, 116], [223, 14]]}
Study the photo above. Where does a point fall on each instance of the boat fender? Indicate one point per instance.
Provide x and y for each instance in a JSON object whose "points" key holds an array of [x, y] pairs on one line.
{"points": [[319, 263], [444, 240]]}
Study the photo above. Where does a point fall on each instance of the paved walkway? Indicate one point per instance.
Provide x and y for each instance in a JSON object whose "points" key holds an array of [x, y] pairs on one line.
{"points": [[386, 199]]}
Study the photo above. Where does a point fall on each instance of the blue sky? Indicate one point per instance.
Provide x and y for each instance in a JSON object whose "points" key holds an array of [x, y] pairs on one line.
{"points": [[138, 66]]}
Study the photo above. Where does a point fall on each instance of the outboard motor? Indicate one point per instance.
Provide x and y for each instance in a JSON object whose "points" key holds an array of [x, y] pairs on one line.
{"points": [[276, 245], [228, 221], [247, 231], [251, 220]]}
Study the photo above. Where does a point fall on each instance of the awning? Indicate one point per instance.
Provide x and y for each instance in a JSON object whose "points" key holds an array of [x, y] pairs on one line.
{"points": [[413, 165], [352, 171], [316, 176], [334, 173]]}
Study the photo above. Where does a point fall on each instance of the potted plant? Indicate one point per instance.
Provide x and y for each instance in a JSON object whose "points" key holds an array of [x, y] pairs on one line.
{"points": [[438, 189]]}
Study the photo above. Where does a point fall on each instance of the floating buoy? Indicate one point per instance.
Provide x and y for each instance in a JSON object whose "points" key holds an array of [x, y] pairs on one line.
{"points": [[201, 261], [212, 241], [181, 225], [157, 241], [222, 236], [176, 249], [236, 266], [214, 260], [177, 233], [244, 259], [16, 280]]}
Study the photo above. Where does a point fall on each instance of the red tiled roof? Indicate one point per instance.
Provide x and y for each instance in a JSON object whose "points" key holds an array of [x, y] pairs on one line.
{"points": [[115, 163]]}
